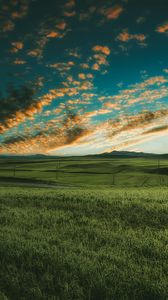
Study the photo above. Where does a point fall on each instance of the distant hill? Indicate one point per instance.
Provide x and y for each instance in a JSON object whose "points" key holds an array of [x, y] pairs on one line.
{"points": [[131, 154], [113, 154], [127, 154]]}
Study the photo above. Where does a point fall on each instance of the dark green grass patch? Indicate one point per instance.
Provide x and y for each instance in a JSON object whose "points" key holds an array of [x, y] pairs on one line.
{"points": [[84, 244]]}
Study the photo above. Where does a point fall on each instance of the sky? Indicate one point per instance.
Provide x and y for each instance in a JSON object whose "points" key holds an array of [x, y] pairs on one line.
{"points": [[83, 77]]}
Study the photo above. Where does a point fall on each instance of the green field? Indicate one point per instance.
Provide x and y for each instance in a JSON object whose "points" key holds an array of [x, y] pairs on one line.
{"points": [[86, 172], [100, 231]]}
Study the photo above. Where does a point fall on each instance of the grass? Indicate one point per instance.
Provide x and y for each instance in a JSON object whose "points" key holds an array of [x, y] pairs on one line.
{"points": [[86, 172], [83, 243]]}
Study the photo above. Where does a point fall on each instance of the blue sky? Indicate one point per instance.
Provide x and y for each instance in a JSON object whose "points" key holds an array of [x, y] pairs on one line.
{"points": [[80, 77]]}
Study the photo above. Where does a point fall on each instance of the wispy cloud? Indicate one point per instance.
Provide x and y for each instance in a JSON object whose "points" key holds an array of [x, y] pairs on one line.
{"points": [[18, 61], [120, 133], [69, 9], [35, 53], [113, 12], [53, 34], [69, 131], [46, 31], [16, 46], [156, 129], [163, 28], [140, 20], [125, 37], [147, 91], [8, 26], [10, 12]]}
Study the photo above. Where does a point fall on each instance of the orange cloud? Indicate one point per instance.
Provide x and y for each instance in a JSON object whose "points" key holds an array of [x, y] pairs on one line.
{"points": [[53, 34], [62, 67], [62, 25], [90, 76], [162, 28], [8, 26], [69, 13], [68, 8], [102, 49], [96, 67], [21, 12], [91, 114], [76, 129], [11, 10], [69, 131], [155, 80], [82, 76], [17, 46], [149, 90], [140, 121], [35, 53], [19, 62], [125, 36], [112, 13], [21, 111], [114, 106], [101, 59]]}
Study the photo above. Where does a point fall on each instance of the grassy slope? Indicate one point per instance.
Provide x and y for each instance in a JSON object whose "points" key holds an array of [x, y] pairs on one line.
{"points": [[85, 172], [84, 244]]}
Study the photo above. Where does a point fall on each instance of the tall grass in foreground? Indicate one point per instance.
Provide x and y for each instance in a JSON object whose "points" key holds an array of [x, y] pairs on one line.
{"points": [[82, 244]]}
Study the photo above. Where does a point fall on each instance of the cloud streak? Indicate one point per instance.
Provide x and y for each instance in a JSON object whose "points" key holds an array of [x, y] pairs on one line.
{"points": [[113, 12], [75, 129], [163, 28], [69, 131]]}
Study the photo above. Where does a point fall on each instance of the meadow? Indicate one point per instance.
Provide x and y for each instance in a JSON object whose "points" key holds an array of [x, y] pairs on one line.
{"points": [[99, 234], [86, 172]]}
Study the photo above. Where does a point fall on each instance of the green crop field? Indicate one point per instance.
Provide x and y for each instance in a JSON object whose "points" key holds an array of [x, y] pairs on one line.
{"points": [[83, 229]]}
